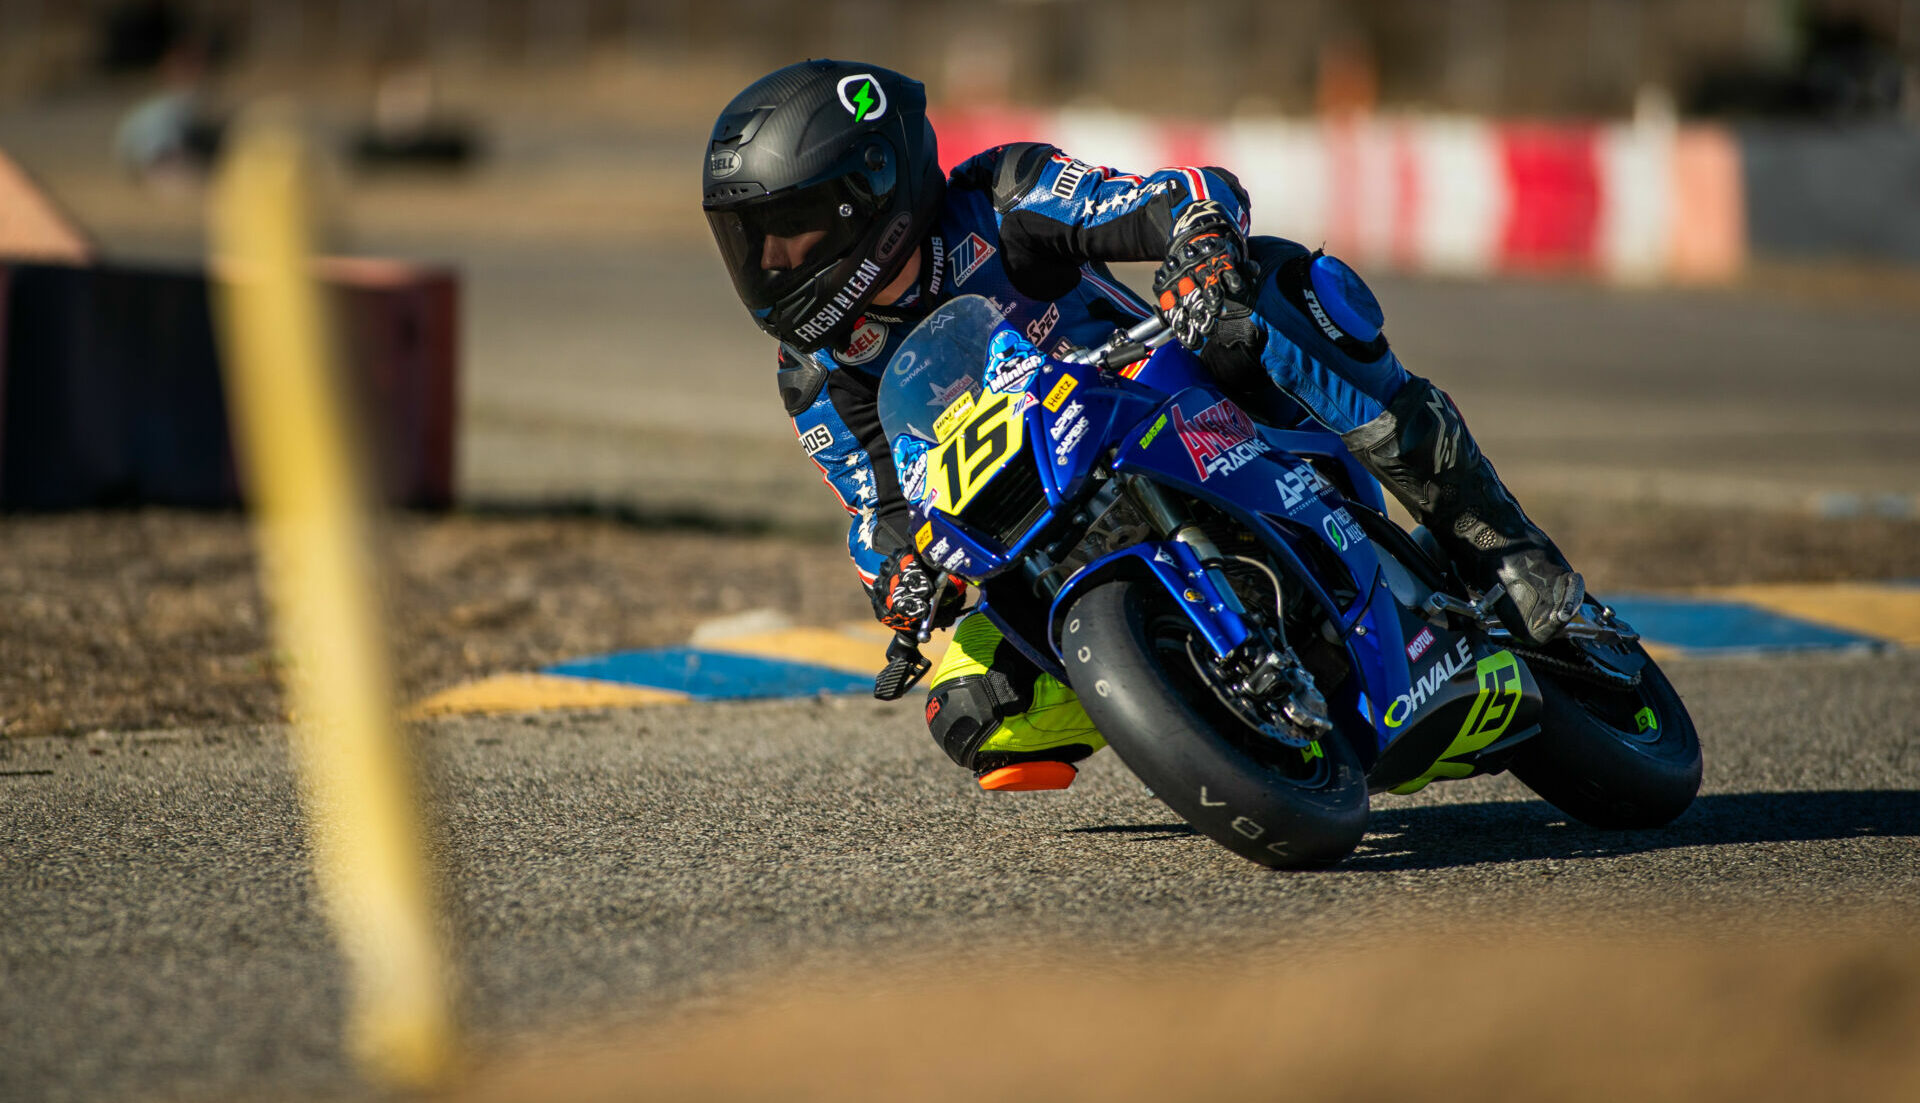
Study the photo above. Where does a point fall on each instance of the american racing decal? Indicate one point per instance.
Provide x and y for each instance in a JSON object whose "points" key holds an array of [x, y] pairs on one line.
{"points": [[815, 439], [1419, 644], [1070, 176], [1300, 483], [1437, 675], [953, 390], [968, 256], [863, 97], [1220, 439], [869, 338]]}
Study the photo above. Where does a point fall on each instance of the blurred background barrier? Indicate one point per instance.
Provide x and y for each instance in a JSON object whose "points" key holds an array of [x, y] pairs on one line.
{"points": [[110, 383], [1443, 195], [1815, 192], [1759, 148]]}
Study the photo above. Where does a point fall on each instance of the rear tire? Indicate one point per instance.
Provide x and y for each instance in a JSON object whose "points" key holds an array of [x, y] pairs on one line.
{"points": [[1124, 650], [1592, 762]]}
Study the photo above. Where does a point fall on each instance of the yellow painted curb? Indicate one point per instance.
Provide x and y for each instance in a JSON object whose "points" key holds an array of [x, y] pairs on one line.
{"points": [[535, 692], [856, 648], [1868, 608]]}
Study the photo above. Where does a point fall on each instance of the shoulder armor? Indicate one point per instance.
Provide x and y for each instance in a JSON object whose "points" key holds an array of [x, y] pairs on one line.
{"points": [[800, 378], [1018, 171]]}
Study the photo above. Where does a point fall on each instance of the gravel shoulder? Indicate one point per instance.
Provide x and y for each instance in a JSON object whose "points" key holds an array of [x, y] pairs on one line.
{"points": [[130, 621]]}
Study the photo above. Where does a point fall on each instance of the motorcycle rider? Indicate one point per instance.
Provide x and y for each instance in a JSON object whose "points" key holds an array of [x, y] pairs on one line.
{"points": [[839, 230]]}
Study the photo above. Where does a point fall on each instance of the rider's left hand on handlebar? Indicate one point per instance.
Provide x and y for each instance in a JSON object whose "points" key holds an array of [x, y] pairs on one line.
{"points": [[903, 594], [1202, 276]]}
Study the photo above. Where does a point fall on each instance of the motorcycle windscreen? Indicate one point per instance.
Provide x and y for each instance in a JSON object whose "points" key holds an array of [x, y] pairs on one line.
{"points": [[943, 360]]}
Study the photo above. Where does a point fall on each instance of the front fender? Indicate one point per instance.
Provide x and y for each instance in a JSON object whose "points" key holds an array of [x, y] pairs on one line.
{"points": [[1174, 565]]}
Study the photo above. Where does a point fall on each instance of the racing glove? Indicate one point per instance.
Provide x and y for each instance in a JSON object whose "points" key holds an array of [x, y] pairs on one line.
{"points": [[903, 593], [1201, 280]]}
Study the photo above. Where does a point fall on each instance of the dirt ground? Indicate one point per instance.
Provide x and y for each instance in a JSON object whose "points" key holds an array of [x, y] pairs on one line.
{"points": [[137, 620], [1384, 1016]]}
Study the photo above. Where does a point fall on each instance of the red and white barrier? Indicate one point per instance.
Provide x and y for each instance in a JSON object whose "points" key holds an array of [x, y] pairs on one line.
{"points": [[1445, 195]]}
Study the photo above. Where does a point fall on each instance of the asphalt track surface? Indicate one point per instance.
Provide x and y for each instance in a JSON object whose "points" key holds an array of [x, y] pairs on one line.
{"points": [[629, 375], [162, 939]]}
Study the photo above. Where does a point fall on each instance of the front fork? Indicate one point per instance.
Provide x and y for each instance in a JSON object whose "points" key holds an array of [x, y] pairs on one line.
{"points": [[1258, 673]]}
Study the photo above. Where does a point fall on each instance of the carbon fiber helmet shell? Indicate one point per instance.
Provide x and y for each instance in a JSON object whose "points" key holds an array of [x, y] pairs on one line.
{"points": [[838, 146]]}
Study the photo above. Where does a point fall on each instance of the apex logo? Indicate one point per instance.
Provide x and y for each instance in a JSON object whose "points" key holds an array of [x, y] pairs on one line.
{"points": [[863, 97]]}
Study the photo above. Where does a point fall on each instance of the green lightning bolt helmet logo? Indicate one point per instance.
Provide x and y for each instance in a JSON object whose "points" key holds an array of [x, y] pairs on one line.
{"points": [[863, 97]]}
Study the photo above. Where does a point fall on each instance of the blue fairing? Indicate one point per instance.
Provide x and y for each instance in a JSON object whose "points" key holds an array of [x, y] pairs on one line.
{"points": [[1163, 420], [1193, 442]]}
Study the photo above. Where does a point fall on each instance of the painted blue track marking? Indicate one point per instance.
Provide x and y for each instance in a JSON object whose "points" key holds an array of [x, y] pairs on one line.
{"points": [[1693, 626], [715, 675], [1709, 627]]}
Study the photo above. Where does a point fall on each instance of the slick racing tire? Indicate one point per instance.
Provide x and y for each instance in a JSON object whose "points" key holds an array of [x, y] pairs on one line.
{"points": [[1126, 650], [1598, 759]]}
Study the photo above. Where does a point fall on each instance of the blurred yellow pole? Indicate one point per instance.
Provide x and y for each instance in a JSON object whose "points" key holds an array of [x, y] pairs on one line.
{"points": [[308, 492]]}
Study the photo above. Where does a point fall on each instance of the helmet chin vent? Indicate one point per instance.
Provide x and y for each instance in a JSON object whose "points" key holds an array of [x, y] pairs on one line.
{"points": [[720, 193]]}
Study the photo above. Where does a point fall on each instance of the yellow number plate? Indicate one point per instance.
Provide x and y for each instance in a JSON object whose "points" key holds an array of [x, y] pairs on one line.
{"points": [[977, 447]]}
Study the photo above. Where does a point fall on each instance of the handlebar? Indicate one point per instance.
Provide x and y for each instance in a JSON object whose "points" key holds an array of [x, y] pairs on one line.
{"points": [[1125, 346]]}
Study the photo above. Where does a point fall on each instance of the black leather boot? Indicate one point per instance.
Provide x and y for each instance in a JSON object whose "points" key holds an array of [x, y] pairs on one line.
{"points": [[1421, 449]]}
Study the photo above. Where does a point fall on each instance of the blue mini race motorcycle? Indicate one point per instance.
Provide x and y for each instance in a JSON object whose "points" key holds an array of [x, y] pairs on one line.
{"points": [[1256, 639]]}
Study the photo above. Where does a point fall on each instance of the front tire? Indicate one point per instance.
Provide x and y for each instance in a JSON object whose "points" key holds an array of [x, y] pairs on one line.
{"points": [[1596, 760], [1126, 652]]}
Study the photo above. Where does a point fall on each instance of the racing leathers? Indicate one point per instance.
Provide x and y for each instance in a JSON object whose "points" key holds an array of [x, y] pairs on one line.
{"points": [[1032, 228]]}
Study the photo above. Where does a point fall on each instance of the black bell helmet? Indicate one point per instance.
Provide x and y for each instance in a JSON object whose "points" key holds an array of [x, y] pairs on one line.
{"points": [[837, 160]]}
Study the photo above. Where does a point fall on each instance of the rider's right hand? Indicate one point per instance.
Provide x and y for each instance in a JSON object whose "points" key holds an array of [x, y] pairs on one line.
{"points": [[903, 593]]}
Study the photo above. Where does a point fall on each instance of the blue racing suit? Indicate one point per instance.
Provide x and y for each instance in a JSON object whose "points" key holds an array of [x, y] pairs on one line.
{"points": [[1032, 228]]}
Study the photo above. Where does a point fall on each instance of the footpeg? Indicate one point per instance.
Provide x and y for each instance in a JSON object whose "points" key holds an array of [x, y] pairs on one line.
{"points": [[905, 667], [1439, 606]]}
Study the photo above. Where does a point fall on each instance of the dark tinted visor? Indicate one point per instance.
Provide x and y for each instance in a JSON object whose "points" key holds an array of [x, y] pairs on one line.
{"points": [[775, 244]]}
